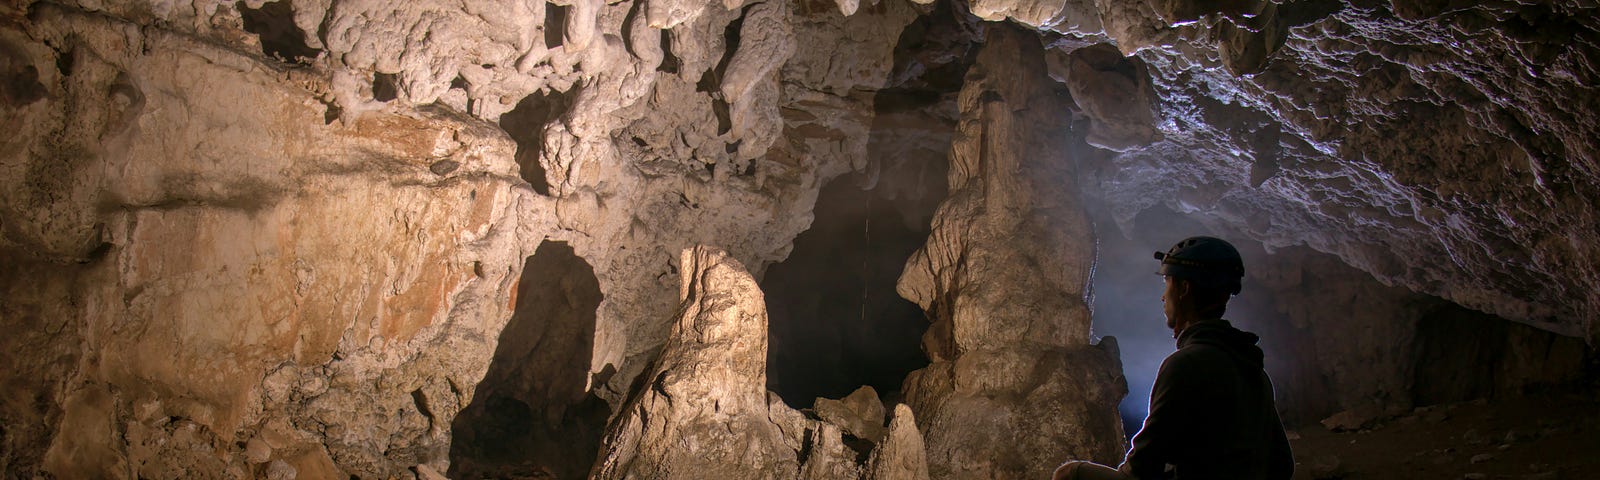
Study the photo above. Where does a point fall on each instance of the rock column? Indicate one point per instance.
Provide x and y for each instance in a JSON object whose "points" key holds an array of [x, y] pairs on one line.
{"points": [[1015, 386]]}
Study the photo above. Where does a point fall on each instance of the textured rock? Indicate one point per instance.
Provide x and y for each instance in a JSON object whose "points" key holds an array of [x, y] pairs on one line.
{"points": [[901, 455], [702, 411], [1014, 386], [294, 221], [860, 414], [1318, 124], [302, 224]]}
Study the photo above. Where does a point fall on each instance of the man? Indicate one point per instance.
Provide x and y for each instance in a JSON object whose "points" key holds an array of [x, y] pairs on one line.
{"points": [[1211, 411]]}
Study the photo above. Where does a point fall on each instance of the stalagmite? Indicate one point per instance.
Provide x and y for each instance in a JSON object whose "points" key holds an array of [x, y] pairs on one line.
{"points": [[1014, 386]]}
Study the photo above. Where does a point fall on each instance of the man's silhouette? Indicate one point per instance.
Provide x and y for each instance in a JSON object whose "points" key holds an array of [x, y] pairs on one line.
{"points": [[1211, 411]]}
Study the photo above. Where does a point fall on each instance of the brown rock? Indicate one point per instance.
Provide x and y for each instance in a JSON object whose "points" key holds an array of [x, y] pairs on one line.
{"points": [[901, 455], [859, 414], [1014, 385]]}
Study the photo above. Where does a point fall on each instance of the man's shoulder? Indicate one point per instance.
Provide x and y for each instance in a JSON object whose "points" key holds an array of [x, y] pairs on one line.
{"points": [[1196, 356]]}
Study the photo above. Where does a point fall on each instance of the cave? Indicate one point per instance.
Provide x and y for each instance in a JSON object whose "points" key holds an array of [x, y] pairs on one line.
{"points": [[532, 414], [679, 238], [836, 322]]}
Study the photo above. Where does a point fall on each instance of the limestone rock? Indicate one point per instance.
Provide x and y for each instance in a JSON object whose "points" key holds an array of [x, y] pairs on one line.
{"points": [[1014, 385], [860, 414], [702, 412], [1115, 92], [901, 455]]}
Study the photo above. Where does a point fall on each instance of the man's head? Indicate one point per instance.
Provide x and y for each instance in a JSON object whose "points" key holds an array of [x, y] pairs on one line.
{"points": [[1201, 274]]}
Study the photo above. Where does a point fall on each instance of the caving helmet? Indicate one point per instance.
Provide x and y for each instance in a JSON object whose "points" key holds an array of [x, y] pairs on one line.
{"points": [[1207, 260]]}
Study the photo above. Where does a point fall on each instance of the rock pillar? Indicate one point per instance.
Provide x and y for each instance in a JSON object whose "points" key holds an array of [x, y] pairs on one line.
{"points": [[1015, 386]]}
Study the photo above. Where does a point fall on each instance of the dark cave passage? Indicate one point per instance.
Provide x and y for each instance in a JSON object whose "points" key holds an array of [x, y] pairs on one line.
{"points": [[532, 415], [836, 321]]}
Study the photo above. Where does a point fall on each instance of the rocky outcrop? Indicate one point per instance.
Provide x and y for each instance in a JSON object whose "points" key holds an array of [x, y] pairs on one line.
{"points": [[902, 455], [280, 238], [703, 410], [1015, 387], [299, 223], [246, 288]]}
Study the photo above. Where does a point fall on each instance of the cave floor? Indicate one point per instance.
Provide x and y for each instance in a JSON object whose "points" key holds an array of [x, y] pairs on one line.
{"points": [[1551, 437]]}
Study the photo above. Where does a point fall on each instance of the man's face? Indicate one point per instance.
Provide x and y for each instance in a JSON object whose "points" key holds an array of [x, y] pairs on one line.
{"points": [[1169, 301]]}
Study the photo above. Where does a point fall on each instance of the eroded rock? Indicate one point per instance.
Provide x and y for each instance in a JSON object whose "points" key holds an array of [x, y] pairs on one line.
{"points": [[1014, 386], [702, 410]]}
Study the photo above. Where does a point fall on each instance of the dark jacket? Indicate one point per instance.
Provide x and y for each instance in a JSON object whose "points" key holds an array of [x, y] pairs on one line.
{"points": [[1211, 413]]}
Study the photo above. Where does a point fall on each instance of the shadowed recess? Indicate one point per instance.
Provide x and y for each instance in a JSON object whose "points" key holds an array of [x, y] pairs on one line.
{"points": [[280, 37], [532, 416], [836, 321], [525, 124]]}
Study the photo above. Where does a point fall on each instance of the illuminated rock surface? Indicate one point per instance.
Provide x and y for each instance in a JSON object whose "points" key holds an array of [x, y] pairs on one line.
{"points": [[1014, 384], [323, 239]]}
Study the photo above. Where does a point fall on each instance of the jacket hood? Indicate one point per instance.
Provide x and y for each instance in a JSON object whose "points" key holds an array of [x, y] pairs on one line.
{"points": [[1221, 334]]}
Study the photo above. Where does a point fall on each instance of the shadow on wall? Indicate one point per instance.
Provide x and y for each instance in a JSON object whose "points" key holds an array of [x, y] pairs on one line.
{"points": [[532, 416]]}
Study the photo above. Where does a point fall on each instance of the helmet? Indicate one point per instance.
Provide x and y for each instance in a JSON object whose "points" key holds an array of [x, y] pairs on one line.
{"points": [[1207, 260]]}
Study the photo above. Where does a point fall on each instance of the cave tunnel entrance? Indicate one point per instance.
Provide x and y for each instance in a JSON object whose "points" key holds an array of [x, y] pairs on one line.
{"points": [[836, 321], [532, 415]]}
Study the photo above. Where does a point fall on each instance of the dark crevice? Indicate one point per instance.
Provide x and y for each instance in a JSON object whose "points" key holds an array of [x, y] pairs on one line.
{"points": [[525, 124], [711, 81], [555, 24], [669, 61], [532, 416], [65, 61], [385, 87], [280, 38], [836, 321]]}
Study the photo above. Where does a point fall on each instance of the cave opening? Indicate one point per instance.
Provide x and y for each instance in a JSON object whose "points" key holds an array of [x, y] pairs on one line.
{"points": [[274, 25], [555, 24], [836, 322], [533, 415], [525, 123]]}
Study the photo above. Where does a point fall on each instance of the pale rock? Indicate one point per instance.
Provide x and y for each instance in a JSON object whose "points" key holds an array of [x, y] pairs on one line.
{"points": [[280, 470], [859, 414], [425, 472], [901, 455], [1014, 384], [703, 410]]}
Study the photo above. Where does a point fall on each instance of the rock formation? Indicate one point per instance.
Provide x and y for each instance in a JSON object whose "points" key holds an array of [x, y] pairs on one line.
{"points": [[308, 238], [1015, 387], [702, 410]]}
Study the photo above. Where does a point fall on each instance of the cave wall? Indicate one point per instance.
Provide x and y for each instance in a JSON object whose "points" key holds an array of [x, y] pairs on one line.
{"points": [[289, 234], [284, 238]]}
